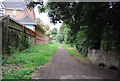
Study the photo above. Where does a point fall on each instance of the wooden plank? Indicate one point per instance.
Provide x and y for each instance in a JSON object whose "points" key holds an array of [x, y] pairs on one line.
{"points": [[0, 39], [15, 29], [7, 24], [4, 33], [21, 31], [0, 48]]}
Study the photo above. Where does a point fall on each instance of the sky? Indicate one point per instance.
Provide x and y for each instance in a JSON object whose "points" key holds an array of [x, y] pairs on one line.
{"points": [[43, 16], [1, 0]]}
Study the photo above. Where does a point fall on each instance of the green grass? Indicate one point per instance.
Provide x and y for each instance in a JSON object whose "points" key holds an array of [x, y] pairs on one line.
{"points": [[72, 51], [21, 64]]}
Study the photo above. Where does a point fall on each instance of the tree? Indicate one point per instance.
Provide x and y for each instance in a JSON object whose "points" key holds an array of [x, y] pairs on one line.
{"points": [[60, 37], [64, 32], [39, 22], [98, 21], [46, 27], [31, 4], [54, 33]]}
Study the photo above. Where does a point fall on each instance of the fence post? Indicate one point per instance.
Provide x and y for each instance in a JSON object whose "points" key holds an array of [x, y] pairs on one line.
{"points": [[35, 38], [23, 32], [4, 23], [7, 26], [0, 37], [7, 34], [0, 48]]}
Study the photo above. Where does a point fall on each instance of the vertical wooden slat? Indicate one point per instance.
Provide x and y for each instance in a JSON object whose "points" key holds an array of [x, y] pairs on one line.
{"points": [[0, 48], [23, 31], [0, 38], [7, 30], [4, 33], [35, 38]]}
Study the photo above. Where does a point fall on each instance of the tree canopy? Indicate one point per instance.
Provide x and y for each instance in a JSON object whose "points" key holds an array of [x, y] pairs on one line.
{"points": [[91, 25]]}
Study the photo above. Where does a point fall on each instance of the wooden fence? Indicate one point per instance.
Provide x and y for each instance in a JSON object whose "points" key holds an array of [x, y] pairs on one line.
{"points": [[15, 35]]}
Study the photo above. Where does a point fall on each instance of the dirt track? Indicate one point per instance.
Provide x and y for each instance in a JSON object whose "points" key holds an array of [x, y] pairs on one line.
{"points": [[64, 66]]}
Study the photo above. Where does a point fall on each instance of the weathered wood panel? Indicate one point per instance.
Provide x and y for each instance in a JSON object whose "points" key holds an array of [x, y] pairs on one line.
{"points": [[15, 35]]}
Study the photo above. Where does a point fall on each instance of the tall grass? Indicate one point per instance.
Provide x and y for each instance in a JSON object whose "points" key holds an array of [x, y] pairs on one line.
{"points": [[27, 61], [72, 51]]}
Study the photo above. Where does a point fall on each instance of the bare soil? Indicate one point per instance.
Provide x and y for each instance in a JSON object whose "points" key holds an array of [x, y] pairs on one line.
{"points": [[65, 66]]}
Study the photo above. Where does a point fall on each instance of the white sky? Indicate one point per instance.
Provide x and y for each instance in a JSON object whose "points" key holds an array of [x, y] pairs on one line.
{"points": [[1, 0], [44, 17]]}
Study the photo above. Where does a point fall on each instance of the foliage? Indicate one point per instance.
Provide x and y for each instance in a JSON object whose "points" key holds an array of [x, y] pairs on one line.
{"points": [[101, 19], [16, 41], [31, 4], [54, 33], [63, 33], [72, 51], [21, 64], [60, 37], [95, 16], [46, 27], [20, 74], [48, 33], [39, 22], [110, 39], [80, 43]]}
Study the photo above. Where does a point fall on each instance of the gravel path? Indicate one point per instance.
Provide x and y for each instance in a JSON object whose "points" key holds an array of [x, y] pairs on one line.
{"points": [[64, 66]]}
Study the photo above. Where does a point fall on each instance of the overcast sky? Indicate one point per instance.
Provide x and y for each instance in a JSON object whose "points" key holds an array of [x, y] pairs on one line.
{"points": [[1, 0], [44, 17]]}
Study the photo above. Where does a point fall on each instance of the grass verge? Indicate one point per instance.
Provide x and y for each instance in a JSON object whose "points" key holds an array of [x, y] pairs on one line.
{"points": [[21, 64], [72, 51]]}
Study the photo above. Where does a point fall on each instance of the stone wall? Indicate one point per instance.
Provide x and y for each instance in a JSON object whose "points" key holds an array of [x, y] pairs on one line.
{"points": [[110, 59]]}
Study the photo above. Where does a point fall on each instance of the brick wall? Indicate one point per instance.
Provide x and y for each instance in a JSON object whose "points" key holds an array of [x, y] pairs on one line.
{"points": [[19, 13], [29, 13]]}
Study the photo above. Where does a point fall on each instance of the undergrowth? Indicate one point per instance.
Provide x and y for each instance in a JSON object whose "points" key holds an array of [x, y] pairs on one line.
{"points": [[20, 65], [72, 51]]}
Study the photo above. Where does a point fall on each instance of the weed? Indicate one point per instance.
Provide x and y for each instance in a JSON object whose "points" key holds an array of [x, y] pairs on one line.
{"points": [[72, 51], [31, 57]]}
